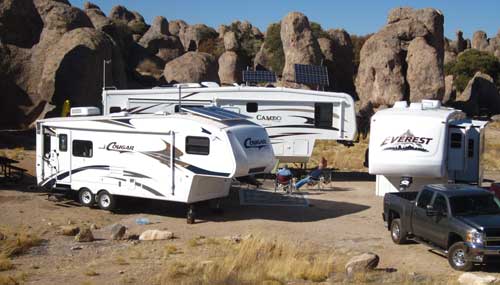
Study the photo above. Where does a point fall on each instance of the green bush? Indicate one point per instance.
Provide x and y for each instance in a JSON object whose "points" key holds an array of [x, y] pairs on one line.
{"points": [[213, 46], [137, 27], [274, 45], [317, 31], [470, 62]]}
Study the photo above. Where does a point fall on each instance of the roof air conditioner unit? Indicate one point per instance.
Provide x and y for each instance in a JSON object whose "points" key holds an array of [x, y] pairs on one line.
{"points": [[85, 111]]}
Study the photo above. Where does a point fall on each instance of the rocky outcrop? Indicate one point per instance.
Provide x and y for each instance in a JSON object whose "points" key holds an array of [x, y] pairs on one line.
{"points": [[176, 26], [299, 44], [192, 67], [230, 68], [479, 95], [231, 43], [20, 23], [383, 72], [158, 41], [191, 36], [450, 91], [66, 63], [480, 41], [339, 58]]}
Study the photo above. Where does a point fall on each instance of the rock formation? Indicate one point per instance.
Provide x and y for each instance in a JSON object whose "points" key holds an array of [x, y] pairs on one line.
{"points": [[158, 41], [192, 67], [230, 63], [299, 44], [479, 95], [480, 41], [389, 67], [192, 35], [176, 26]]}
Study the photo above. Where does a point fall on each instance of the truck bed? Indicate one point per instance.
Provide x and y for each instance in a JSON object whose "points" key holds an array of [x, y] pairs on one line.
{"points": [[410, 195], [400, 205]]}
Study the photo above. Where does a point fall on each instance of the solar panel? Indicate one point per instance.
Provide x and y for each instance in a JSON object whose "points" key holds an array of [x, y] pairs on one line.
{"points": [[257, 76], [311, 74], [215, 113]]}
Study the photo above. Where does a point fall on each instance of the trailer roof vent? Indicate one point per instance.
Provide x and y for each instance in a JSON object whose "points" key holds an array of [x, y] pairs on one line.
{"points": [[416, 106], [85, 111], [431, 104], [400, 105]]}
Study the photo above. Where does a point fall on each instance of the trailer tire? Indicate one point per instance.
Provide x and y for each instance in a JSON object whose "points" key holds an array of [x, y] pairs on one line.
{"points": [[397, 235], [86, 197], [106, 201], [457, 257]]}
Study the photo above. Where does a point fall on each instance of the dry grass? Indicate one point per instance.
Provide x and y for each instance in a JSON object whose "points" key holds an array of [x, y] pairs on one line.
{"points": [[90, 272], [121, 261], [5, 263], [340, 156], [17, 243], [13, 279], [491, 158], [171, 249], [253, 261]]}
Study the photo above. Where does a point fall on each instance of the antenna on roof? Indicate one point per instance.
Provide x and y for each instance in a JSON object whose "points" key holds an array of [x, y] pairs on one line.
{"points": [[104, 73], [311, 75]]}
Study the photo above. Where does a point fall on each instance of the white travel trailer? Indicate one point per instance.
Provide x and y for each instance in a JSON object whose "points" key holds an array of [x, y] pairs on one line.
{"points": [[293, 118], [186, 157], [424, 143]]}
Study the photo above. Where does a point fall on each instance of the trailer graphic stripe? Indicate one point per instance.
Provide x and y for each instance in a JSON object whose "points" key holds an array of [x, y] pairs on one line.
{"points": [[291, 134], [303, 126], [202, 171], [149, 189]]}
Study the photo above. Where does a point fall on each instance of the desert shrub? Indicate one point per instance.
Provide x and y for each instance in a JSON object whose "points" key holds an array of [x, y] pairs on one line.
{"points": [[318, 31], [468, 63], [17, 243], [275, 47], [138, 27], [213, 46]]}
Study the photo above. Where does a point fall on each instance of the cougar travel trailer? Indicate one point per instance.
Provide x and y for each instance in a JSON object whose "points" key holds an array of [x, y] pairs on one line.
{"points": [[186, 157], [424, 143], [293, 118]]}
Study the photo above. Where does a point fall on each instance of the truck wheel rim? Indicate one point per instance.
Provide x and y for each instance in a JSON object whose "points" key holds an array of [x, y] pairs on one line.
{"points": [[459, 258], [395, 232], [86, 197], [105, 200]]}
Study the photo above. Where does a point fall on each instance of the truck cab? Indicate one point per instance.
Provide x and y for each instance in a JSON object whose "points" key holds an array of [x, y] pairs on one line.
{"points": [[460, 221]]}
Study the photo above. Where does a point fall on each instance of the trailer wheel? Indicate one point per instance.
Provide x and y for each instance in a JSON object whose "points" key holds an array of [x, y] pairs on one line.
{"points": [[105, 200], [86, 197], [457, 257], [397, 235]]}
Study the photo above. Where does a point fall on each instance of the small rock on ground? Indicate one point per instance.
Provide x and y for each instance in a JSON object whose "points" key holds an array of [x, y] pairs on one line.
{"points": [[475, 279], [69, 230], [156, 235], [118, 231], [85, 235], [2, 236], [362, 263]]}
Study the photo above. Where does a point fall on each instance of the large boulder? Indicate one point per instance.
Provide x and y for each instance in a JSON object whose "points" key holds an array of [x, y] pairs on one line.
{"points": [[191, 36], [461, 43], [121, 13], [20, 23], [156, 235], [299, 44], [479, 96], [450, 91], [480, 41], [176, 26], [341, 57], [476, 279], [382, 74], [230, 68], [158, 41], [192, 67], [98, 18], [425, 73], [231, 42], [361, 263]]}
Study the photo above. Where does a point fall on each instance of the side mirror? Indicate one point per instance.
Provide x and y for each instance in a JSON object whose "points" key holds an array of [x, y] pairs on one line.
{"points": [[430, 211]]}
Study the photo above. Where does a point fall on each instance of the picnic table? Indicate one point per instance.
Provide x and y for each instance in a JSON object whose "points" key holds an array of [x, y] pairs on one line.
{"points": [[9, 171]]}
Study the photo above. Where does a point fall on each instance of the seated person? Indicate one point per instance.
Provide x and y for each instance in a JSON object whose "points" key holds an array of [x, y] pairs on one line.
{"points": [[284, 175], [313, 175]]}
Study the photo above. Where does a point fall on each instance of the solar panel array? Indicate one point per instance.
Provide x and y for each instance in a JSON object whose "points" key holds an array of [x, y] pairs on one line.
{"points": [[215, 113], [256, 76], [311, 74]]}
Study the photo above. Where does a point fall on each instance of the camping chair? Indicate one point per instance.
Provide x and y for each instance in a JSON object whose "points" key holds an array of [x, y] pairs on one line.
{"points": [[322, 180], [284, 183]]}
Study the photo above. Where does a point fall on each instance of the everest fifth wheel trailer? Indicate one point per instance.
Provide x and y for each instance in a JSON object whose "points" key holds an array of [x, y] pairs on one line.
{"points": [[187, 157], [293, 118], [424, 143]]}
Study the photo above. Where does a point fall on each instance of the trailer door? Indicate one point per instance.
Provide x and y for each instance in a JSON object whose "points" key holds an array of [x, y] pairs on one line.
{"points": [[62, 151]]}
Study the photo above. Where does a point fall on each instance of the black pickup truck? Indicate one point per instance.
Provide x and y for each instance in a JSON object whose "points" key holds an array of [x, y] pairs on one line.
{"points": [[460, 221]]}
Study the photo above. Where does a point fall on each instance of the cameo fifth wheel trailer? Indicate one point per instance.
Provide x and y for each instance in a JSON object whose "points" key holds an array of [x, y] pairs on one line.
{"points": [[293, 118], [186, 157], [424, 143]]}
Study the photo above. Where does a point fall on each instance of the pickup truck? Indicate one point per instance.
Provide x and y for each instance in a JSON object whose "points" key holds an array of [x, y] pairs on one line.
{"points": [[460, 221]]}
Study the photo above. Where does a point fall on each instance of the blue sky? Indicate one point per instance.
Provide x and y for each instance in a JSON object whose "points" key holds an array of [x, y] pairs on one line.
{"points": [[357, 17]]}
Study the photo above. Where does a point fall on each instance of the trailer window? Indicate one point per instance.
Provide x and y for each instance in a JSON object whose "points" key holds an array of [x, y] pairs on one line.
{"points": [[46, 145], [63, 142], [82, 148], [252, 107], [456, 140], [115, 110], [198, 145], [470, 148], [323, 115], [424, 199]]}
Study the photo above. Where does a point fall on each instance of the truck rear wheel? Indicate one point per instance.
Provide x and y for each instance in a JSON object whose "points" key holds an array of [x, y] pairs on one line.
{"points": [[106, 201], [397, 235], [457, 257]]}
